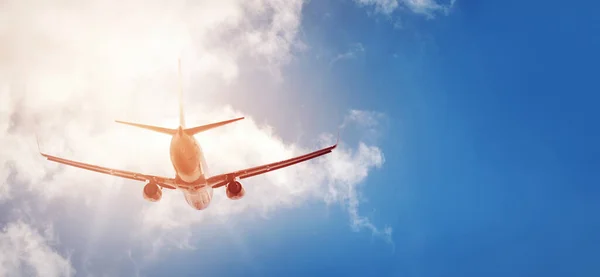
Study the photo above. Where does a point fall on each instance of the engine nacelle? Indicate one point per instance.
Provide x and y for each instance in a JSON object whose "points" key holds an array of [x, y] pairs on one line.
{"points": [[152, 192], [235, 190]]}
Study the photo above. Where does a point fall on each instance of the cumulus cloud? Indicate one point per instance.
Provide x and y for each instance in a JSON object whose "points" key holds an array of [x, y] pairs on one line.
{"points": [[425, 7], [26, 252], [68, 68]]}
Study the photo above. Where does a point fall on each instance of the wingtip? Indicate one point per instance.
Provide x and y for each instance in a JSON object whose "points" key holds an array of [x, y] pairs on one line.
{"points": [[121, 122], [337, 139], [235, 119], [37, 140]]}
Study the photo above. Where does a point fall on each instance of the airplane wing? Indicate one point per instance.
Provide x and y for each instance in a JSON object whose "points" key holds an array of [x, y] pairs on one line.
{"points": [[161, 181], [223, 179]]}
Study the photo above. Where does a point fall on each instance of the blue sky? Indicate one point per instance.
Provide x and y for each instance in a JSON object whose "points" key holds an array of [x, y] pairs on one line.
{"points": [[485, 116], [491, 149]]}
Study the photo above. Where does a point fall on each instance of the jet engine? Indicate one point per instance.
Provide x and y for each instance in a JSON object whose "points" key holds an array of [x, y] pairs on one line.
{"points": [[152, 192], [235, 190]]}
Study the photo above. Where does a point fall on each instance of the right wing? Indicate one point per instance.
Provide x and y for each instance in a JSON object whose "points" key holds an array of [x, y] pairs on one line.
{"points": [[223, 179], [164, 182]]}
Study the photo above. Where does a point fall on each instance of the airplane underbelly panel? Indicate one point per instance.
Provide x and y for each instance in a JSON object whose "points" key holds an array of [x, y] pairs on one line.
{"points": [[199, 199], [189, 173]]}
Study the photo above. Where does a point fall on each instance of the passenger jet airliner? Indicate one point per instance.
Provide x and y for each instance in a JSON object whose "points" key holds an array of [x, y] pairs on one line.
{"points": [[190, 167]]}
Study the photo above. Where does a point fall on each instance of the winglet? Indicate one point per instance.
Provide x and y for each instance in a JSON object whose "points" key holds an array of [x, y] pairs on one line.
{"points": [[37, 140], [338, 139]]}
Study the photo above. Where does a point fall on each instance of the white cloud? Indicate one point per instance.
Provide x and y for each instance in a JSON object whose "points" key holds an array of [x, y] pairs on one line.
{"points": [[354, 50], [365, 119], [26, 252], [428, 7], [425, 7], [383, 6], [68, 68]]}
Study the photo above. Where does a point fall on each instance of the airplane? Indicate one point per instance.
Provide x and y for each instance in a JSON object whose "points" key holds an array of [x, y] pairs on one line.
{"points": [[190, 166]]}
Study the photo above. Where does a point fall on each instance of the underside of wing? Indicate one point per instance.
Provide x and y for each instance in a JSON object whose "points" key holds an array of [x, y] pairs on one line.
{"points": [[223, 179], [164, 182]]}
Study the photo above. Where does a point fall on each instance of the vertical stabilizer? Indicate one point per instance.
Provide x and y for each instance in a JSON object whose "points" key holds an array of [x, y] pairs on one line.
{"points": [[181, 117]]}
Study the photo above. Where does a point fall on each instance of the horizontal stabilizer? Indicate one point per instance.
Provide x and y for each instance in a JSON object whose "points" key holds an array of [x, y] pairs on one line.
{"points": [[152, 128], [195, 130]]}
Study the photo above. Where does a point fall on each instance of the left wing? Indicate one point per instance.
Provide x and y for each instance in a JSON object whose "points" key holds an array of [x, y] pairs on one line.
{"points": [[223, 179], [164, 182]]}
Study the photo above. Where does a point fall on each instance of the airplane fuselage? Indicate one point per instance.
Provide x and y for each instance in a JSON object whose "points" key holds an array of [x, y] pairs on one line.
{"points": [[188, 162]]}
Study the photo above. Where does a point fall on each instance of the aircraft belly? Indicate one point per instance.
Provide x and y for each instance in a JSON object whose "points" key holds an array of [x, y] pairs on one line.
{"points": [[186, 164], [189, 177], [199, 199]]}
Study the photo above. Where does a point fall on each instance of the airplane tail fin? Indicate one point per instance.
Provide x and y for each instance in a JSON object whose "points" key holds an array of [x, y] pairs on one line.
{"points": [[181, 115], [195, 130], [149, 127], [199, 129], [190, 131]]}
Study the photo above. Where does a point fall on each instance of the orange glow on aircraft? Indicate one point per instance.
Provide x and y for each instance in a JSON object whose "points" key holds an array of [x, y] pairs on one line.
{"points": [[190, 166]]}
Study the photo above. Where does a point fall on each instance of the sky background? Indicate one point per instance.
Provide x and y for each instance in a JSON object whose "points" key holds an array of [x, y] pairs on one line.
{"points": [[469, 139]]}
